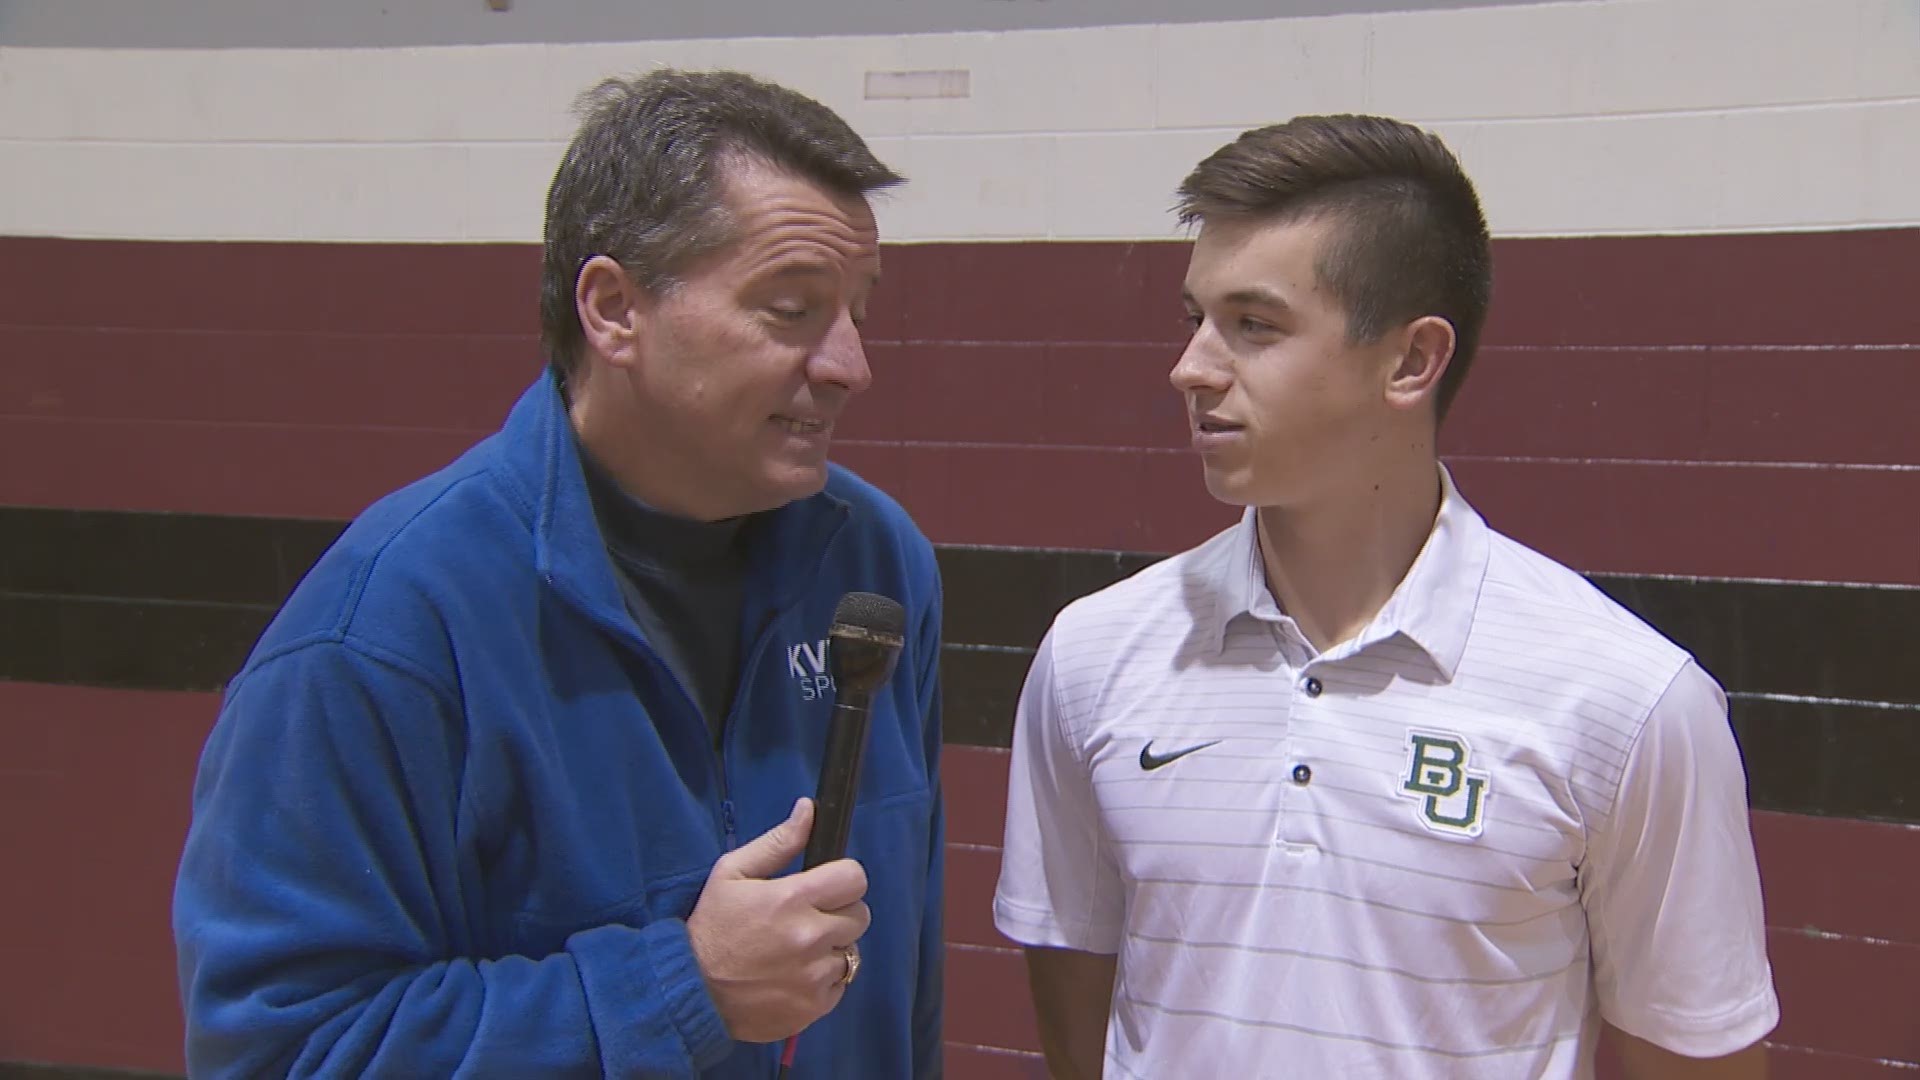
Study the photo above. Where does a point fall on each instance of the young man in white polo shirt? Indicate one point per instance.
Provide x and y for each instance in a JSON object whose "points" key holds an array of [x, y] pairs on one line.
{"points": [[1359, 787]]}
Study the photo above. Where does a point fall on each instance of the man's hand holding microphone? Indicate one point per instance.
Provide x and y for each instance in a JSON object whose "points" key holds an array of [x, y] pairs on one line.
{"points": [[778, 953]]}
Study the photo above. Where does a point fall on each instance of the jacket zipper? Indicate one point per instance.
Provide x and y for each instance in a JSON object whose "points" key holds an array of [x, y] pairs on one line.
{"points": [[715, 745], [729, 824], [754, 653]]}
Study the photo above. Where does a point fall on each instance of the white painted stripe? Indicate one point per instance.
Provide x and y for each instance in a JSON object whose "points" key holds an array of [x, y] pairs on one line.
{"points": [[338, 23], [1598, 117], [1807, 699]]}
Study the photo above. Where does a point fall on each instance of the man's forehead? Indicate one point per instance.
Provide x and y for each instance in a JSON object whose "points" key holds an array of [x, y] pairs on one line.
{"points": [[1257, 247], [784, 227], [1275, 273], [747, 185], [1265, 232]]}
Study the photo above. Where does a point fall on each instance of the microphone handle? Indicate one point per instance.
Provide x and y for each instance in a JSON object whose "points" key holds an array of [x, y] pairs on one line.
{"points": [[839, 782]]}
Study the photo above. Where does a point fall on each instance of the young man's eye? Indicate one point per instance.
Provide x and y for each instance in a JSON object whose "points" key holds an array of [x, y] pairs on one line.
{"points": [[790, 312], [1254, 326], [1192, 320]]}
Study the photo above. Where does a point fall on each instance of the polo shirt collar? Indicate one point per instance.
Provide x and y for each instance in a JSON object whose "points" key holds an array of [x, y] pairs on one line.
{"points": [[1432, 607]]}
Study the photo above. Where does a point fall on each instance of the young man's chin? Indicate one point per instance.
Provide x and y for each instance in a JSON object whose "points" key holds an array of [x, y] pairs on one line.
{"points": [[1230, 488]]}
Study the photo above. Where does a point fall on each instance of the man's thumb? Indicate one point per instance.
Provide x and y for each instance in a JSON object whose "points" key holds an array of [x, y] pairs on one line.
{"points": [[769, 853]]}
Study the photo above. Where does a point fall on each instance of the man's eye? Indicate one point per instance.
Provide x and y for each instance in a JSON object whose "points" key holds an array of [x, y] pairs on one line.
{"points": [[1192, 320], [789, 312], [1254, 326]]}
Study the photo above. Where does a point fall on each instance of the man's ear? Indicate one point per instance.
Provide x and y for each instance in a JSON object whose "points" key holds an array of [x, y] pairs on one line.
{"points": [[611, 307], [1426, 352]]}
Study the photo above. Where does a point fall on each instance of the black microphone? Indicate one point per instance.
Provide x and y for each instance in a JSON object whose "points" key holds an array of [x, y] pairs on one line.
{"points": [[863, 645]]}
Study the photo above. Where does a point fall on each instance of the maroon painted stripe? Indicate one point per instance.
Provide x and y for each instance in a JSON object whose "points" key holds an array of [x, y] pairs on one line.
{"points": [[1799, 1063], [1046, 497], [1741, 522], [1783, 1063], [1856, 878], [1743, 405], [974, 781], [972, 874], [1834, 998], [271, 287], [1039, 394], [1827, 405], [1835, 875], [987, 1003], [116, 767], [264, 470], [346, 384], [1732, 404], [1039, 292], [1736, 521], [383, 361], [1846, 995], [95, 805], [988, 1063], [444, 382], [1568, 408], [1620, 518], [1819, 288], [1811, 288]]}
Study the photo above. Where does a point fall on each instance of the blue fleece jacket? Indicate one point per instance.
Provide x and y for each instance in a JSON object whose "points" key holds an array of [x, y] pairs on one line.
{"points": [[455, 810]]}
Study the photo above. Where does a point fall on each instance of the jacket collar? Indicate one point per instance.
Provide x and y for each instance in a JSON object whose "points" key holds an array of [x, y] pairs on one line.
{"points": [[540, 457]]}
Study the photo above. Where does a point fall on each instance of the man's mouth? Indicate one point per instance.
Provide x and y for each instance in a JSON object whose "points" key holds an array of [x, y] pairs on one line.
{"points": [[802, 427]]}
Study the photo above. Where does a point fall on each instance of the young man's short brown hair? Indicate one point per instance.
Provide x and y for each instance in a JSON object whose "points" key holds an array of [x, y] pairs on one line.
{"points": [[1409, 238]]}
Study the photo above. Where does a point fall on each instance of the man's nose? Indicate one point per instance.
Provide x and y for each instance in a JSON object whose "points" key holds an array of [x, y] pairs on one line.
{"points": [[1202, 365], [841, 358]]}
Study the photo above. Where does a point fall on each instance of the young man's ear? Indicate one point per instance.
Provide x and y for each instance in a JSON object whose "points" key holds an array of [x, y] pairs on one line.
{"points": [[1424, 357], [610, 306]]}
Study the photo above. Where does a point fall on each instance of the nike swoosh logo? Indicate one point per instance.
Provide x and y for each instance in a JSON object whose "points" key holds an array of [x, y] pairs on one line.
{"points": [[1150, 761]]}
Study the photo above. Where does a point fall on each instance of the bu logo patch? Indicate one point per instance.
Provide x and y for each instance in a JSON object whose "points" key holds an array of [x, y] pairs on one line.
{"points": [[1452, 795]]}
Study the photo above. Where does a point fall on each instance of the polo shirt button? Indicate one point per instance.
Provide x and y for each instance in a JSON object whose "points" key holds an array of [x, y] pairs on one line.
{"points": [[1302, 774], [1313, 686]]}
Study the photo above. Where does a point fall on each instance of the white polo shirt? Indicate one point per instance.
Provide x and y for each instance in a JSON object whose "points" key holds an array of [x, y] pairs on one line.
{"points": [[1449, 847]]}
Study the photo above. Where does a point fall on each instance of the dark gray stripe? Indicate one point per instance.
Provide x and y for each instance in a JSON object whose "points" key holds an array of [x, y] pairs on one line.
{"points": [[346, 23], [1823, 692], [24, 1070]]}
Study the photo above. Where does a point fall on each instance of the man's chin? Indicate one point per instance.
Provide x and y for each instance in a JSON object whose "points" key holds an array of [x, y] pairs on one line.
{"points": [[1230, 487], [792, 481]]}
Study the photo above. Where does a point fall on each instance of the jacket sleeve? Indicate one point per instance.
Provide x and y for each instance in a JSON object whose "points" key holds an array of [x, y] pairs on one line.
{"points": [[928, 996], [321, 918]]}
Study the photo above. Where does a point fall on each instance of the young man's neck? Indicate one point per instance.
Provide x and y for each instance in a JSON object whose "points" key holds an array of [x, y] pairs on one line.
{"points": [[1333, 565]]}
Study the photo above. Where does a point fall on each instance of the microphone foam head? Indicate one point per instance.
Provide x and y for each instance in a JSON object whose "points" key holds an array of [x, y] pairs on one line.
{"points": [[868, 631], [870, 612]]}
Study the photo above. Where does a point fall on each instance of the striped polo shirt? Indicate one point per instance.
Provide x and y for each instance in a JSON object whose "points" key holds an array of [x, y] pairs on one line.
{"points": [[1449, 847]]}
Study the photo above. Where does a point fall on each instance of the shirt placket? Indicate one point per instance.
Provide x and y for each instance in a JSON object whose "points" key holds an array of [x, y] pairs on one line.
{"points": [[1291, 831], [1295, 836]]}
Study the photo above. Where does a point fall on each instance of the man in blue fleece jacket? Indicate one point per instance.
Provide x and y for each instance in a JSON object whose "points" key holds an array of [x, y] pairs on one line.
{"points": [[513, 784]]}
